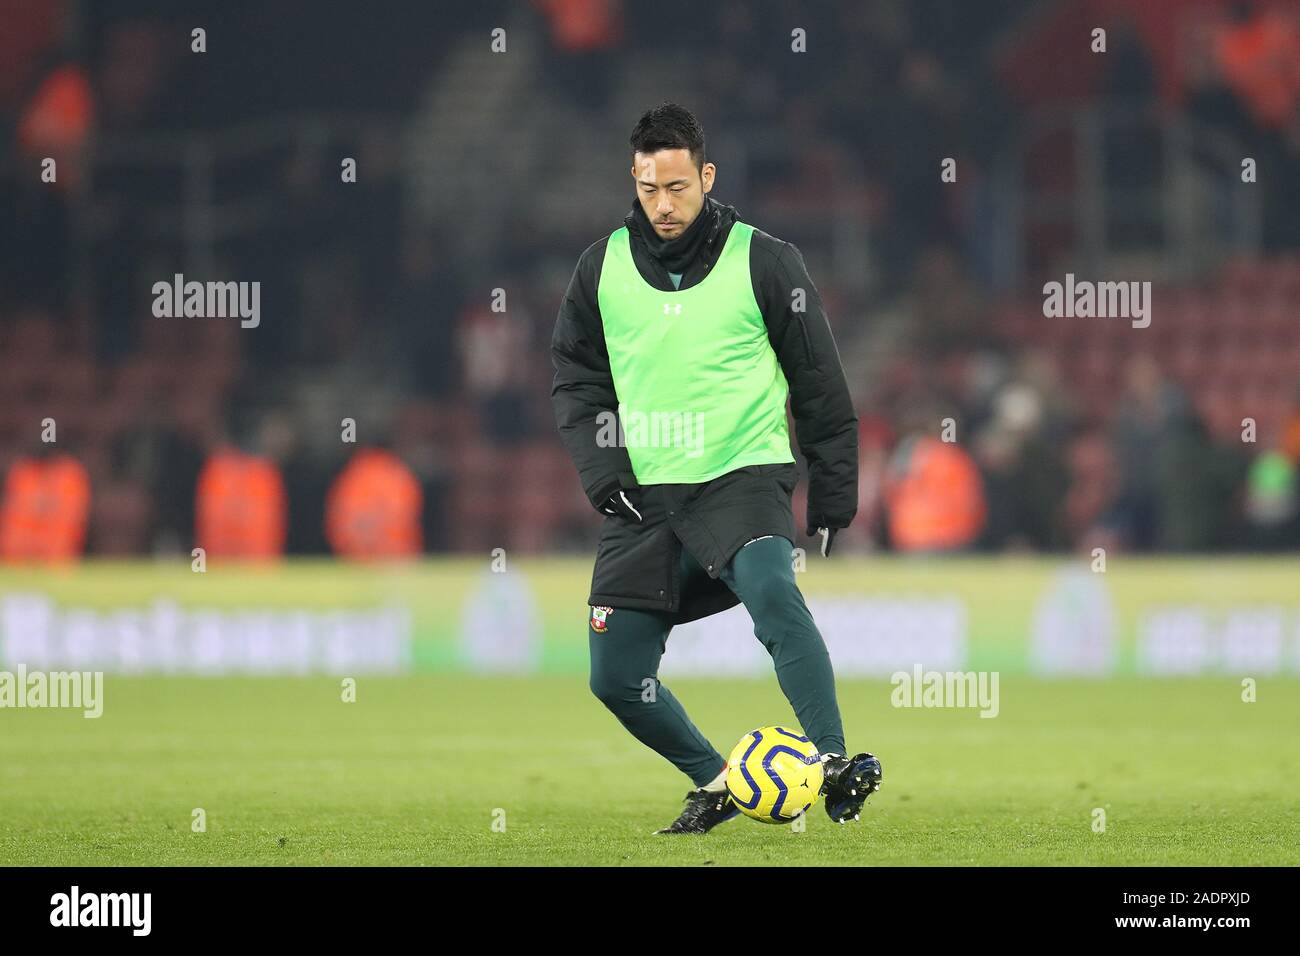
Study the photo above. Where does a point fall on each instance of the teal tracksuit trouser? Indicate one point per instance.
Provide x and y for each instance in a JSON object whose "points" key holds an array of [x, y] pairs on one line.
{"points": [[625, 661]]}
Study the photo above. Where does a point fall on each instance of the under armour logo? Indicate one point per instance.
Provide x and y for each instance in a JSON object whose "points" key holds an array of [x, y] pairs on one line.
{"points": [[677, 309]]}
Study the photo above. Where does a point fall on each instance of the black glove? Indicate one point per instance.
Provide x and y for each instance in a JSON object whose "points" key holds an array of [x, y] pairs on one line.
{"points": [[828, 538], [624, 503]]}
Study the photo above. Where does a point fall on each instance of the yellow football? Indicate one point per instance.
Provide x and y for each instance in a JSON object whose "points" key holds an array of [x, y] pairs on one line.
{"points": [[774, 774]]}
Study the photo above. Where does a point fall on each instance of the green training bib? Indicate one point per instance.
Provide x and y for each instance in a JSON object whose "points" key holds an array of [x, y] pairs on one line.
{"points": [[700, 390]]}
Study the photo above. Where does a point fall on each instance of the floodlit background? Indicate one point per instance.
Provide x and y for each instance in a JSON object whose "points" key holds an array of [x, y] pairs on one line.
{"points": [[373, 472], [479, 171], [936, 162]]}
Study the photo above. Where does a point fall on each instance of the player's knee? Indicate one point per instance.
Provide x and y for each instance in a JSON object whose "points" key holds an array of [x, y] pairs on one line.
{"points": [[771, 596], [608, 689]]}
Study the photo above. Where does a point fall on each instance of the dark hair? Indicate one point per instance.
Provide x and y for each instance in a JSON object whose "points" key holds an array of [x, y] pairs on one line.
{"points": [[669, 126]]}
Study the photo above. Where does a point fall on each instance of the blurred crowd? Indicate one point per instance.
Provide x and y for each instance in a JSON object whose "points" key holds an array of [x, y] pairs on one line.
{"points": [[981, 428]]}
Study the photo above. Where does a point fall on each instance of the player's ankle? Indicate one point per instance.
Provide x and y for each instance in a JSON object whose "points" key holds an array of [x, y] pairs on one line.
{"points": [[718, 783]]}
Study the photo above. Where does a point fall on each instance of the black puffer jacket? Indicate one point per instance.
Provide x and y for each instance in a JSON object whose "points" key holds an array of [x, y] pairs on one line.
{"points": [[636, 563]]}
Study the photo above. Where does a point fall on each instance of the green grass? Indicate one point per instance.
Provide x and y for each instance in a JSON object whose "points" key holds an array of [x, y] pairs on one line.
{"points": [[412, 772]]}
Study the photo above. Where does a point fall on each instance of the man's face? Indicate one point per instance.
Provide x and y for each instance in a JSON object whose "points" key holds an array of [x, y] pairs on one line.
{"points": [[671, 190]]}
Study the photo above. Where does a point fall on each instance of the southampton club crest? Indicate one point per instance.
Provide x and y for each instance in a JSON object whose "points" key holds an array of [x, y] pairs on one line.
{"points": [[599, 617]]}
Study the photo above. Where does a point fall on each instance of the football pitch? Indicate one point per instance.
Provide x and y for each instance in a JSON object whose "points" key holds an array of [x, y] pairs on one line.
{"points": [[494, 770]]}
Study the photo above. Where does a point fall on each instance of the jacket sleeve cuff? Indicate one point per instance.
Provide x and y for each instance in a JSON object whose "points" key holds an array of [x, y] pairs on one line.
{"points": [[599, 493], [625, 480]]}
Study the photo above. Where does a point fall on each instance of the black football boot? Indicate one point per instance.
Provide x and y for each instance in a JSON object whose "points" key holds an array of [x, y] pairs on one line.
{"points": [[705, 809], [848, 783]]}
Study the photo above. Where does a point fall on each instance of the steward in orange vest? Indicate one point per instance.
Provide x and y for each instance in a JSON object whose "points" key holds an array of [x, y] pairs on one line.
{"points": [[45, 509], [240, 511], [935, 497], [373, 508]]}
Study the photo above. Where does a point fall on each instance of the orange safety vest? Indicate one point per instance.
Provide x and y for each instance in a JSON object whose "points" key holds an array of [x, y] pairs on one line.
{"points": [[57, 122], [373, 508], [45, 510], [241, 506], [1291, 439], [937, 504], [1259, 60], [580, 25]]}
